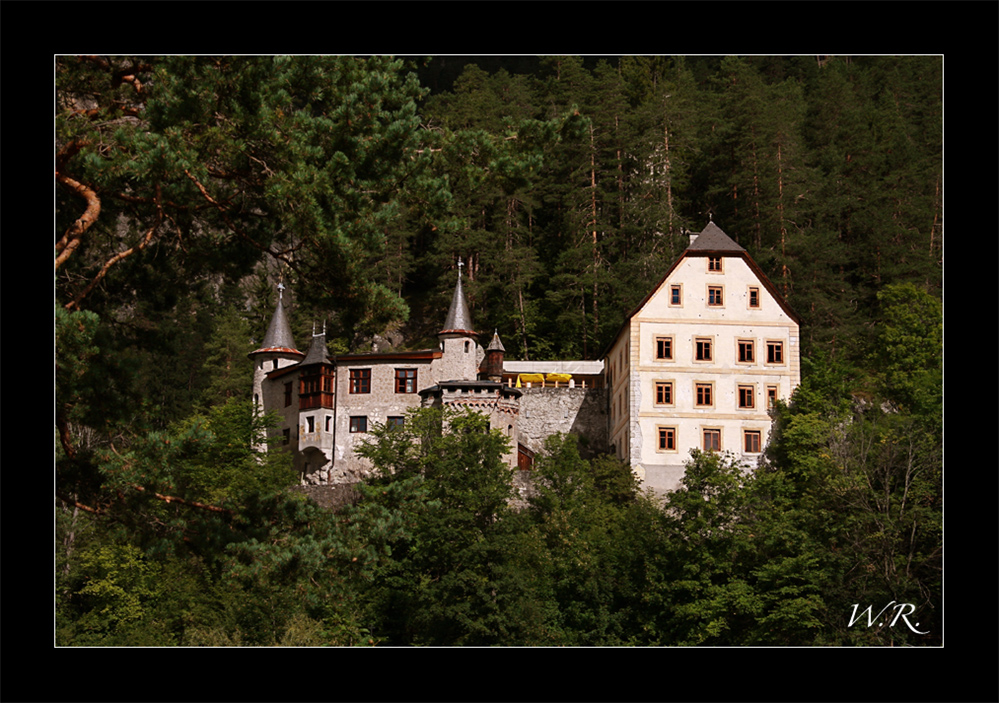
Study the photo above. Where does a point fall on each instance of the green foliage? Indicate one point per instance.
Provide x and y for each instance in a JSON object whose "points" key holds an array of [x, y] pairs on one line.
{"points": [[908, 348], [229, 464], [566, 193]]}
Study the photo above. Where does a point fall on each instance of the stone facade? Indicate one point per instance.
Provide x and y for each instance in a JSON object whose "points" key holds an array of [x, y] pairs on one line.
{"points": [[696, 365], [551, 410]]}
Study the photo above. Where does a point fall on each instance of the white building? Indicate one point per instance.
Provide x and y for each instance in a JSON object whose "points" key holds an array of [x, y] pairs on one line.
{"points": [[699, 361]]}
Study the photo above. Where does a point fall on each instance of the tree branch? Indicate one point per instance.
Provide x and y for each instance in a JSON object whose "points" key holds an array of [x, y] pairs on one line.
{"points": [[71, 239], [182, 501], [146, 239]]}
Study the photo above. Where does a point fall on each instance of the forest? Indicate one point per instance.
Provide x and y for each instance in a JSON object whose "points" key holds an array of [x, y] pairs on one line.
{"points": [[188, 187]]}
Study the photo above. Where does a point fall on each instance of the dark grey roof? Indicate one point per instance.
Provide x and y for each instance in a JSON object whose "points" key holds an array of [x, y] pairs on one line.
{"points": [[459, 320], [279, 334], [712, 238], [318, 353], [496, 344]]}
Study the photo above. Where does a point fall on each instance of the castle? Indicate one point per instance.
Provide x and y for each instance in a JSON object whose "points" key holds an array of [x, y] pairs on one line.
{"points": [[696, 364]]}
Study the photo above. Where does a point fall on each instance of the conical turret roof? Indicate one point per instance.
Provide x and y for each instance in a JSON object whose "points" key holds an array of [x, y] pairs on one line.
{"points": [[279, 337], [459, 320], [318, 353], [496, 344]]}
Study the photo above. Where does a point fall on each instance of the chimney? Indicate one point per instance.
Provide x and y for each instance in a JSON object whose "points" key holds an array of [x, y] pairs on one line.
{"points": [[692, 238]]}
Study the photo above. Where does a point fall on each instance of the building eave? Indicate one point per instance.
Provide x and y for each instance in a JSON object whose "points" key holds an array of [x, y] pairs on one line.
{"points": [[419, 355], [741, 254], [276, 350]]}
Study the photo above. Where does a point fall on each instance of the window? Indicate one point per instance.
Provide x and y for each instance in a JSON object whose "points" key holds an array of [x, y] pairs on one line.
{"points": [[675, 295], [704, 394], [664, 392], [405, 380], [702, 348], [711, 440], [311, 422], [715, 264], [358, 424], [715, 296], [395, 423], [329, 422], [467, 346], [747, 397], [747, 354], [667, 439], [360, 380], [664, 348], [285, 436], [775, 352], [771, 396], [287, 394], [754, 297], [751, 441]]}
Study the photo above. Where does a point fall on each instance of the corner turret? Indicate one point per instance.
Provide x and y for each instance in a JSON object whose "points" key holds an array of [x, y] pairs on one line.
{"points": [[492, 365]]}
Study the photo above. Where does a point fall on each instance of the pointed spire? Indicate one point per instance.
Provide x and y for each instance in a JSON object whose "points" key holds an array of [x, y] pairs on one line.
{"points": [[279, 336], [496, 344], [459, 320]]}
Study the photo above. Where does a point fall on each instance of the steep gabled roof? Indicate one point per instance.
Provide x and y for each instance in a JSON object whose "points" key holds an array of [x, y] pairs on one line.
{"points": [[711, 240]]}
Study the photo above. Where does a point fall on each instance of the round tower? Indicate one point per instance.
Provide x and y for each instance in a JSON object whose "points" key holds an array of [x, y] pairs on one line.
{"points": [[277, 351], [460, 361]]}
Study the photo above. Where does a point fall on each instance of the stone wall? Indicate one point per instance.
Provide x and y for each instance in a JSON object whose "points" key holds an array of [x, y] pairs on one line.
{"points": [[579, 411]]}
